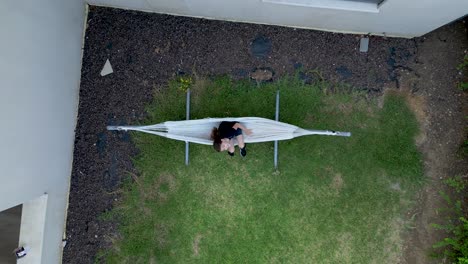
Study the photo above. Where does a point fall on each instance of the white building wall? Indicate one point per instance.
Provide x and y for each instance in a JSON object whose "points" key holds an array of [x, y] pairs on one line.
{"points": [[40, 61], [393, 18]]}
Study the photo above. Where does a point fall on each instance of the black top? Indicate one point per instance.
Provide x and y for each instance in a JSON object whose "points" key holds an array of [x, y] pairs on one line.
{"points": [[226, 131]]}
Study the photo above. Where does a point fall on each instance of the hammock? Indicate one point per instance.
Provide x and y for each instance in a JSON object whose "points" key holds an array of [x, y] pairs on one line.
{"points": [[199, 130]]}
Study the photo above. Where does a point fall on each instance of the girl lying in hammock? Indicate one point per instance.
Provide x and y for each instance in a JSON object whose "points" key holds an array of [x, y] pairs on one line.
{"points": [[223, 137]]}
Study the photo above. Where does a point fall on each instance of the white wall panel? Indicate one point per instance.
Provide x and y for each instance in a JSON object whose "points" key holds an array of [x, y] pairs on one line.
{"points": [[393, 18], [40, 61]]}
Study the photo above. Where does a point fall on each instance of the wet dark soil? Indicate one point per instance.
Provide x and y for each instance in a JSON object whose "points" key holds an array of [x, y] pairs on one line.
{"points": [[146, 50]]}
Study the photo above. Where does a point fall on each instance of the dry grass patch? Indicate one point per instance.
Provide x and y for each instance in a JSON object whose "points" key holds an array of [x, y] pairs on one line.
{"points": [[196, 245], [337, 182], [344, 252]]}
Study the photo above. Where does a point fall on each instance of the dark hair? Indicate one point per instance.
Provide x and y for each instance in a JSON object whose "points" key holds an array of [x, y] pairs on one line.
{"points": [[216, 139]]}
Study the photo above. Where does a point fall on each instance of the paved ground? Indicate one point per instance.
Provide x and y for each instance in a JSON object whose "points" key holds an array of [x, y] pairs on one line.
{"points": [[146, 50]]}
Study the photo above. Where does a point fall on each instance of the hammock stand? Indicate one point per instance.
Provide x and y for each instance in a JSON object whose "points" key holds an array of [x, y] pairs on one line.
{"points": [[199, 130]]}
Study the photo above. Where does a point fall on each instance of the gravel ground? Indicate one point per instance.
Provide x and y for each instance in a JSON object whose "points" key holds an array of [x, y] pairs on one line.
{"points": [[146, 50]]}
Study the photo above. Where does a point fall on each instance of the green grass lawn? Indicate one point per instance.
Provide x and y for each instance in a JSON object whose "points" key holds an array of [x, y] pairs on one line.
{"points": [[334, 199]]}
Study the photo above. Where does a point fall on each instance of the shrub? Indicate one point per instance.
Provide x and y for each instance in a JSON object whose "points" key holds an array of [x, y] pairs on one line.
{"points": [[455, 245], [463, 66]]}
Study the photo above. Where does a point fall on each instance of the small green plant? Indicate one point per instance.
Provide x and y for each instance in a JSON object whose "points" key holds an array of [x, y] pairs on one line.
{"points": [[463, 66], [184, 83], [455, 245], [463, 86], [457, 183], [464, 149]]}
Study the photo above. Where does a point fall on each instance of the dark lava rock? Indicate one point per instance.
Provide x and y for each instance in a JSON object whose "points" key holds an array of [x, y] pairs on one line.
{"points": [[344, 72], [261, 47]]}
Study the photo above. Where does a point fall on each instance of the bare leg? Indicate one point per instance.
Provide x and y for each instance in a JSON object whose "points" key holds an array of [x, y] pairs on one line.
{"points": [[231, 148], [240, 141]]}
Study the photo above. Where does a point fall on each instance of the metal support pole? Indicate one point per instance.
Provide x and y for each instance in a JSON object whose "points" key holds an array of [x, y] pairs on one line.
{"points": [[277, 119], [188, 118]]}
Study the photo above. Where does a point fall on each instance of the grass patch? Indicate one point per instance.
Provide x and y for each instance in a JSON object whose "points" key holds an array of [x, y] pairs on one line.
{"points": [[335, 199]]}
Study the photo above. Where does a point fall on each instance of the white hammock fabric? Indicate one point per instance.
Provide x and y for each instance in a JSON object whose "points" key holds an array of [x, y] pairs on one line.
{"points": [[199, 130]]}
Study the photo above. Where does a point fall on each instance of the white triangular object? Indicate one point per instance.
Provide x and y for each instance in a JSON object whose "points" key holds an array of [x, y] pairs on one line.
{"points": [[107, 69]]}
